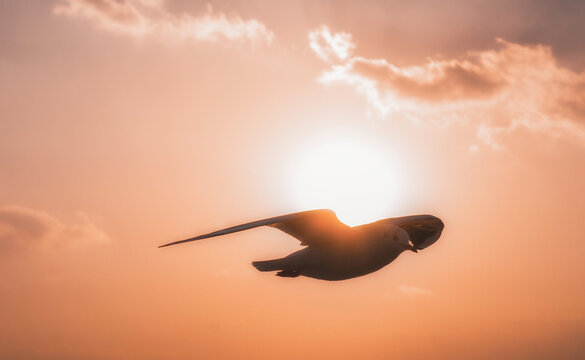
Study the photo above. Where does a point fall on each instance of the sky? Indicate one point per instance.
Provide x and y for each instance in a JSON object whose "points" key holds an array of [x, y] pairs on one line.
{"points": [[127, 124]]}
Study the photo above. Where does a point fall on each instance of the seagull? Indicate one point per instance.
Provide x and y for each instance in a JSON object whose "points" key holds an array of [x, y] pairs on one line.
{"points": [[335, 251]]}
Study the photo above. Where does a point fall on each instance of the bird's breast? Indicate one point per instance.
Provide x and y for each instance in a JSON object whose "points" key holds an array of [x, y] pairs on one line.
{"points": [[346, 262]]}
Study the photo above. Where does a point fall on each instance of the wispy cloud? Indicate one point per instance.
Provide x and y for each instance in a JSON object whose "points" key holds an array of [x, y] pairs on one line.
{"points": [[223, 272], [139, 18], [21, 227], [413, 291], [498, 91], [330, 47]]}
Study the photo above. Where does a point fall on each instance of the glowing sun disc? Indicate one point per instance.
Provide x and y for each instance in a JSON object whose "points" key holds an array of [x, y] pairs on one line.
{"points": [[350, 175]]}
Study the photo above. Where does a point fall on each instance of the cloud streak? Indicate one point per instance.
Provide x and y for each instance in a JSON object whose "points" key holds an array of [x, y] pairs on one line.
{"points": [[498, 91], [21, 227], [140, 18], [413, 291]]}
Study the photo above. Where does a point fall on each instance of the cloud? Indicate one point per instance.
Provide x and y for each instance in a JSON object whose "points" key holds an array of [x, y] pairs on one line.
{"points": [[139, 18], [225, 272], [329, 46], [21, 227], [499, 91], [413, 291], [436, 81]]}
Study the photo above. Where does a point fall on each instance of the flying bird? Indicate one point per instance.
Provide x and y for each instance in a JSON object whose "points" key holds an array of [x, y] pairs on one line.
{"points": [[335, 251]]}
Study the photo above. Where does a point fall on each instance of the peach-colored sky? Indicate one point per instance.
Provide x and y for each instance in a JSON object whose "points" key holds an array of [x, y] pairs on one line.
{"points": [[125, 124]]}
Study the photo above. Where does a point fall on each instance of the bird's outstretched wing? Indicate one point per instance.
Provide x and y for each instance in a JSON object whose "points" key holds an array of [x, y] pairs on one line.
{"points": [[313, 227], [423, 230]]}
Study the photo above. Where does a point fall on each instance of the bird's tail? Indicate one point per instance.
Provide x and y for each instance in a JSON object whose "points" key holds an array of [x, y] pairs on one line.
{"points": [[269, 265]]}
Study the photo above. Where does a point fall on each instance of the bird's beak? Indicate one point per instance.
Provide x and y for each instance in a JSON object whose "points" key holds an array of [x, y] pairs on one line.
{"points": [[412, 248]]}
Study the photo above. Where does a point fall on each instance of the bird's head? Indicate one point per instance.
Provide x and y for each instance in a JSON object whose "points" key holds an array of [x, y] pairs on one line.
{"points": [[416, 232], [397, 238], [422, 230]]}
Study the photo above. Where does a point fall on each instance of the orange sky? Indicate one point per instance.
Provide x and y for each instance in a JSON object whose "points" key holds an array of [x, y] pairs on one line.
{"points": [[128, 124]]}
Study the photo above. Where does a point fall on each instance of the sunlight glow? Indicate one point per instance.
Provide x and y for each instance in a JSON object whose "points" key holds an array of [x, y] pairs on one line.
{"points": [[360, 181]]}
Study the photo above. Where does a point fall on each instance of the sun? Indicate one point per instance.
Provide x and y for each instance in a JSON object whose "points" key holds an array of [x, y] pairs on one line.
{"points": [[353, 175]]}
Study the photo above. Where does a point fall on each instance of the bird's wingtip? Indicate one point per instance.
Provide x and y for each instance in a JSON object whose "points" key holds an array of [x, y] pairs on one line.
{"points": [[179, 242]]}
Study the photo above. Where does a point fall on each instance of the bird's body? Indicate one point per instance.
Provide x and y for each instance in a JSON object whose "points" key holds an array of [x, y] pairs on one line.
{"points": [[364, 250], [336, 251]]}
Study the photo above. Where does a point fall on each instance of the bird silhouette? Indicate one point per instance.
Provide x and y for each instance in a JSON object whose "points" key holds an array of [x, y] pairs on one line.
{"points": [[335, 251]]}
